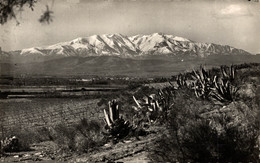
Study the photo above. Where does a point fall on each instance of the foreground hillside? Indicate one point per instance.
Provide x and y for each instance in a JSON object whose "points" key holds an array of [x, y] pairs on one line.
{"points": [[209, 115]]}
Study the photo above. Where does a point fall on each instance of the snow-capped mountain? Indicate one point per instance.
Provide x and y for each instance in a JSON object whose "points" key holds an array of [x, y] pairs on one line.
{"points": [[123, 46], [116, 54]]}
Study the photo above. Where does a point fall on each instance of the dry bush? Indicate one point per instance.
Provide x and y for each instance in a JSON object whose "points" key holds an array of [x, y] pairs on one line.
{"points": [[81, 137], [25, 138], [203, 132]]}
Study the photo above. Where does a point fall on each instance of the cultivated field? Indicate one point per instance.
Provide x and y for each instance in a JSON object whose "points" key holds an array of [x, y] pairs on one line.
{"points": [[46, 112]]}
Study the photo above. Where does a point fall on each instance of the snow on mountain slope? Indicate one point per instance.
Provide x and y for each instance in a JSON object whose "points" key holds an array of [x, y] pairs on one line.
{"points": [[147, 42], [120, 45], [31, 51], [178, 38], [158, 43]]}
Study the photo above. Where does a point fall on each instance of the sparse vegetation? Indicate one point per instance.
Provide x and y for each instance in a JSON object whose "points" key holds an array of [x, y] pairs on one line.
{"points": [[201, 131]]}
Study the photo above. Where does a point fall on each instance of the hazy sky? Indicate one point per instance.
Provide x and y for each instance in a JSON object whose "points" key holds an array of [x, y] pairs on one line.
{"points": [[228, 22]]}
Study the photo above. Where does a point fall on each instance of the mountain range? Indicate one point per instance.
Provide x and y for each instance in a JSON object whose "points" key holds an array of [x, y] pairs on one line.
{"points": [[115, 54], [123, 46]]}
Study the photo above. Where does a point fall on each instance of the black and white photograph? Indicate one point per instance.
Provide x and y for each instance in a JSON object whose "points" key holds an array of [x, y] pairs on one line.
{"points": [[130, 81]]}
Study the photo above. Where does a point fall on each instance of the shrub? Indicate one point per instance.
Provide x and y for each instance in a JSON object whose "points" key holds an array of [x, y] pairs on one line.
{"points": [[16, 140], [64, 136], [199, 131], [10, 144], [81, 137], [227, 134], [184, 111], [88, 135]]}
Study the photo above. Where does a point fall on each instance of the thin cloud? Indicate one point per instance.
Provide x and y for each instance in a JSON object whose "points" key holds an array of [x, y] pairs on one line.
{"points": [[234, 10]]}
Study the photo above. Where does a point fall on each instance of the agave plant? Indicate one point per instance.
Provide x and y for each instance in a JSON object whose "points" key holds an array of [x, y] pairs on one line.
{"points": [[181, 81], [220, 89], [203, 83], [224, 91], [228, 73], [154, 105], [117, 128], [165, 98], [147, 107]]}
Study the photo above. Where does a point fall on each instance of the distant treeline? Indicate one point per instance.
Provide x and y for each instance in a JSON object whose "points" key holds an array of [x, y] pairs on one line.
{"points": [[27, 80]]}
